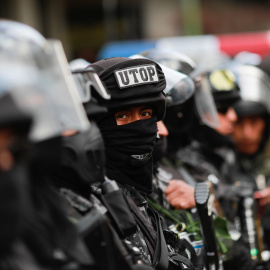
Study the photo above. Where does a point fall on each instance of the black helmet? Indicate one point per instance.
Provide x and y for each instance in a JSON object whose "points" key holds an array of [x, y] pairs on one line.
{"points": [[132, 82]]}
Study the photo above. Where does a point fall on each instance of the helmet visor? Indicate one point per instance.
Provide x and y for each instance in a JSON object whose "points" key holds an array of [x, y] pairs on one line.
{"points": [[179, 87], [61, 88], [48, 57], [205, 103], [30, 99]]}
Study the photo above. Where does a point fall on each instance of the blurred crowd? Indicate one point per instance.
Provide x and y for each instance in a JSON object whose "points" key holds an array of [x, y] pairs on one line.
{"points": [[151, 161]]}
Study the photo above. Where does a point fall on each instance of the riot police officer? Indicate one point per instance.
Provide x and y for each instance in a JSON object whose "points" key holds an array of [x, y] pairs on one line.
{"points": [[130, 132], [93, 201], [251, 133], [47, 238], [194, 144]]}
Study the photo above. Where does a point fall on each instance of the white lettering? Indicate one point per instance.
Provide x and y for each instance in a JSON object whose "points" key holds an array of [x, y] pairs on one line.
{"points": [[144, 74]]}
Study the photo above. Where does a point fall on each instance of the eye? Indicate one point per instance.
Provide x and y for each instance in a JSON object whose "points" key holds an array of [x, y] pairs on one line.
{"points": [[147, 113], [121, 116]]}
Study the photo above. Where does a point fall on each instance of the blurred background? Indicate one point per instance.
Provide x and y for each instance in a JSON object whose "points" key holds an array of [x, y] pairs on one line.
{"points": [[93, 29]]}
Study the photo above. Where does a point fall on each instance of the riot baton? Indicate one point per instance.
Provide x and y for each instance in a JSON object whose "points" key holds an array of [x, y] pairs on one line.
{"points": [[202, 194]]}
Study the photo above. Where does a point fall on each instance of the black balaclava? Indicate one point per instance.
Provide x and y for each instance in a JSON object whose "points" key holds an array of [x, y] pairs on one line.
{"points": [[128, 148], [129, 151], [82, 161]]}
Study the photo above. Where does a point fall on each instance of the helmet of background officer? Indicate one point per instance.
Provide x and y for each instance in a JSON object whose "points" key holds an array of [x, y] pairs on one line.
{"points": [[61, 109], [251, 131], [225, 92], [136, 88], [182, 114], [82, 161], [172, 59]]}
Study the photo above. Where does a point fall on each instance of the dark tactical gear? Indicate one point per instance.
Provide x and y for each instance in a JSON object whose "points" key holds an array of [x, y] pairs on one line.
{"points": [[179, 251], [39, 234], [252, 79], [132, 165], [204, 163], [100, 213], [185, 120], [102, 218], [185, 223], [93, 222]]}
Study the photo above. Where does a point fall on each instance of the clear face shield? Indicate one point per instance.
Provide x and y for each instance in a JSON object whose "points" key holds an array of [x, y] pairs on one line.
{"points": [[254, 85], [63, 88], [179, 87], [205, 103], [30, 99], [29, 48], [85, 80]]}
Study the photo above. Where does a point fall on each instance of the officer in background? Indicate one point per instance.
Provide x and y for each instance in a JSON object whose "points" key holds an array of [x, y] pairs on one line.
{"points": [[192, 145], [81, 180], [130, 133], [226, 89], [49, 239], [63, 144], [21, 224], [251, 134], [180, 119]]}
